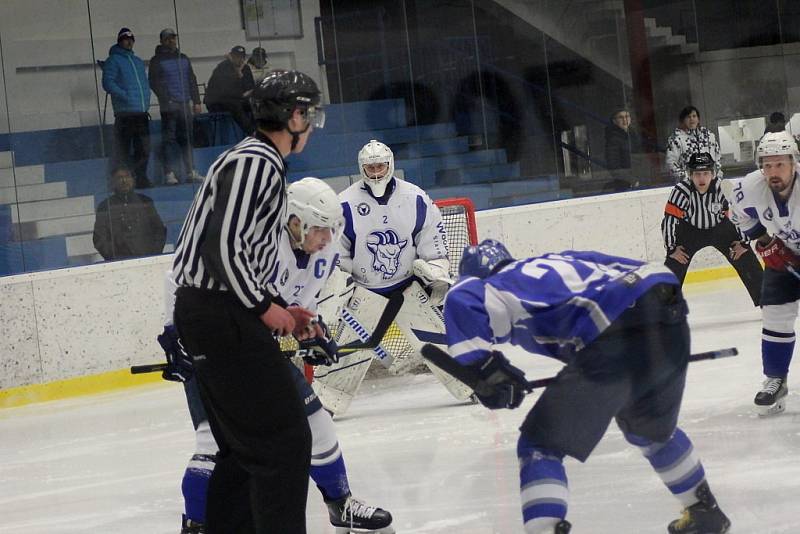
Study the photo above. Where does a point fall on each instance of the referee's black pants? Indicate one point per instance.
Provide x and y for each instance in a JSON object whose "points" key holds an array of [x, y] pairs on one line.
{"points": [[720, 237], [260, 481]]}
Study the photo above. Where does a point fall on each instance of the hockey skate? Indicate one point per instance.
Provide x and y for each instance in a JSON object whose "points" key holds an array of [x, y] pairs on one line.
{"points": [[771, 399], [703, 517], [191, 527], [349, 515]]}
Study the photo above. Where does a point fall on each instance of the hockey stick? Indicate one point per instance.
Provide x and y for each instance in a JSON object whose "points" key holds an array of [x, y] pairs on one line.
{"points": [[387, 317], [471, 378]]}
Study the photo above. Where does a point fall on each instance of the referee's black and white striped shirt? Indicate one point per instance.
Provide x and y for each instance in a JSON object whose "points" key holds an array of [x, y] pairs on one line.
{"points": [[230, 239], [686, 204]]}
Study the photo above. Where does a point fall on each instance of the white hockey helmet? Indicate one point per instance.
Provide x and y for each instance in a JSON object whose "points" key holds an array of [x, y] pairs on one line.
{"points": [[376, 152], [777, 144], [314, 203]]}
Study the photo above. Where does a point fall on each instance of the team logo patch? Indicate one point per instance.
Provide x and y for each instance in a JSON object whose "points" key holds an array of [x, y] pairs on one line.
{"points": [[284, 276], [768, 214], [385, 248], [363, 209]]}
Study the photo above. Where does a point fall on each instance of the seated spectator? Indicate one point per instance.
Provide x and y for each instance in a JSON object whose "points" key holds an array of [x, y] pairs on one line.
{"points": [[777, 122], [125, 79], [127, 224], [687, 139], [228, 87], [259, 64], [174, 83]]}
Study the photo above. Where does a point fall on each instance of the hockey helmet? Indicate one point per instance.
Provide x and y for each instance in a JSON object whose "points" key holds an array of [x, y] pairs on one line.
{"points": [[700, 161], [484, 259], [281, 92], [314, 203], [376, 152], [777, 144]]}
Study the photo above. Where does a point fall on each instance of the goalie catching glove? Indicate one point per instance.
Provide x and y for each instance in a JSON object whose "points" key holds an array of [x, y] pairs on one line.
{"points": [[321, 350], [435, 276], [777, 256], [179, 364], [501, 385]]}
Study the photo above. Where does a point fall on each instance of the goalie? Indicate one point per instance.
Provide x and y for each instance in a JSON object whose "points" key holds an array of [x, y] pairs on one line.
{"points": [[306, 259], [393, 241]]}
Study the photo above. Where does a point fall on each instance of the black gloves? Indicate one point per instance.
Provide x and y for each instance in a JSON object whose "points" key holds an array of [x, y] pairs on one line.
{"points": [[502, 385], [179, 363]]}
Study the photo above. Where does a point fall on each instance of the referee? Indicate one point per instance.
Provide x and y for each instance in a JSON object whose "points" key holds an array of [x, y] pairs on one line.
{"points": [[695, 218], [227, 317]]}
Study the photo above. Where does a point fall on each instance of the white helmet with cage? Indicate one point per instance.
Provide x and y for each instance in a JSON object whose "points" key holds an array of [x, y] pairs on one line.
{"points": [[376, 152], [777, 144], [314, 203]]}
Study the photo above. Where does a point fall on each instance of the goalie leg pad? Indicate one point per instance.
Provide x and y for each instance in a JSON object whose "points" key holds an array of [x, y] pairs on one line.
{"points": [[337, 384], [422, 323]]}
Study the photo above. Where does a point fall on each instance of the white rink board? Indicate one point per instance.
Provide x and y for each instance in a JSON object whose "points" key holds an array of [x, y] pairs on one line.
{"points": [[86, 320]]}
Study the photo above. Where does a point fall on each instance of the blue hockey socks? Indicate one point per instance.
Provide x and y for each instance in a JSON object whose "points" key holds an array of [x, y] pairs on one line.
{"points": [[675, 462], [543, 486], [776, 352]]}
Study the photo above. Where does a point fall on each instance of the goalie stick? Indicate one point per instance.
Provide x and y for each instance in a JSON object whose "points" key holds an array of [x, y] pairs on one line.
{"points": [[391, 310], [471, 378]]}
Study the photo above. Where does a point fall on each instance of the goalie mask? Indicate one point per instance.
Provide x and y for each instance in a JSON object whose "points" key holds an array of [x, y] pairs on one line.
{"points": [[777, 144], [314, 203], [372, 154], [484, 259]]}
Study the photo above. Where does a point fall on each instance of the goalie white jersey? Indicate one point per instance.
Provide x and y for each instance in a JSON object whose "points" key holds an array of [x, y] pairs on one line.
{"points": [[298, 276], [382, 238], [756, 210]]}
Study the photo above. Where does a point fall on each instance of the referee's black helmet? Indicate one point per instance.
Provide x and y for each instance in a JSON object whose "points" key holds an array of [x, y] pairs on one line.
{"points": [[700, 161], [281, 92]]}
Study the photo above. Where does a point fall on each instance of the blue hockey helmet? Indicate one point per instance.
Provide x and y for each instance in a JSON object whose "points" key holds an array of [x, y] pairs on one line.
{"points": [[484, 259]]}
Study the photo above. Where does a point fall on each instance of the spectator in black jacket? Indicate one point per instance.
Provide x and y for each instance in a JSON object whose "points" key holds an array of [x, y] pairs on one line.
{"points": [[620, 141], [229, 86], [174, 83], [127, 224]]}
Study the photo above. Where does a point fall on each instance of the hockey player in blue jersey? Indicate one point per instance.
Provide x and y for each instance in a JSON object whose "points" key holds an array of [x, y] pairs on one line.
{"points": [[619, 325], [765, 208], [306, 258]]}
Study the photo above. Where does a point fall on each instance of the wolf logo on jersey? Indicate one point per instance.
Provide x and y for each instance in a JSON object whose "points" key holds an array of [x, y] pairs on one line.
{"points": [[385, 248]]}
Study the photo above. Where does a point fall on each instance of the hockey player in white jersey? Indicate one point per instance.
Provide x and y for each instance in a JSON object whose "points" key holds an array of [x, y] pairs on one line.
{"points": [[766, 207], [307, 256], [393, 240]]}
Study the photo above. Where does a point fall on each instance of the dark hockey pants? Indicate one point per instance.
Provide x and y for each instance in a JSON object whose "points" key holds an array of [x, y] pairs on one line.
{"points": [[720, 237], [260, 482]]}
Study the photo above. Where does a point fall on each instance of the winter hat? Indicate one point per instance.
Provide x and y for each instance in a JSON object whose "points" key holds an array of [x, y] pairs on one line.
{"points": [[125, 32]]}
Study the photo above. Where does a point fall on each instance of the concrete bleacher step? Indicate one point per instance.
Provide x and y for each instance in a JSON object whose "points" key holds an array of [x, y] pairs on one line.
{"points": [[6, 159], [477, 174], [56, 227], [80, 245], [32, 193], [53, 209], [28, 175]]}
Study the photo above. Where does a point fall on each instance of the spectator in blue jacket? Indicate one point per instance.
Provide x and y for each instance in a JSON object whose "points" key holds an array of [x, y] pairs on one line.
{"points": [[174, 83], [125, 79]]}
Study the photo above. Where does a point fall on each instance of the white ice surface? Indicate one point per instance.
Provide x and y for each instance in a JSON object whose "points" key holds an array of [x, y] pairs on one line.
{"points": [[113, 463]]}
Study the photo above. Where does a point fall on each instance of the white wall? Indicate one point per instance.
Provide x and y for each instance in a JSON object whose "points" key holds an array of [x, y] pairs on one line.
{"points": [[84, 320], [51, 33]]}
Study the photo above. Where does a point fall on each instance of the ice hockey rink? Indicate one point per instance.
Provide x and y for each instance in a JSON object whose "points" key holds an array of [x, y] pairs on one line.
{"points": [[113, 463]]}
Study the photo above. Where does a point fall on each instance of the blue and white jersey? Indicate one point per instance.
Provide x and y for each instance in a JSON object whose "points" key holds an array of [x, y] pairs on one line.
{"points": [[383, 237], [552, 305], [756, 209], [299, 276]]}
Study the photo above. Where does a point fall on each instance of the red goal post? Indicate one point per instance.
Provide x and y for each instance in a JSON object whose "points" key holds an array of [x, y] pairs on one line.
{"points": [[458, 216]]}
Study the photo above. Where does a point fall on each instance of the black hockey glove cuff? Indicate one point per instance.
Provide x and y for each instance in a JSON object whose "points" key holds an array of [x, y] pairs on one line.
{"points": [[179, 363], [502, 385], [319, 350]]}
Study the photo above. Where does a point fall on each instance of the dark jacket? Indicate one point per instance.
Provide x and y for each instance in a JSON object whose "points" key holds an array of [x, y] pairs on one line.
{"points": [[172, 77], [127, 225], [225, 85], [124, 78], [619, 146]]}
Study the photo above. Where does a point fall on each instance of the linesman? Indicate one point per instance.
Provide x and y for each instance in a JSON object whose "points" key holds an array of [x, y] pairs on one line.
{"points": [[227, 316], [695, 217]]}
